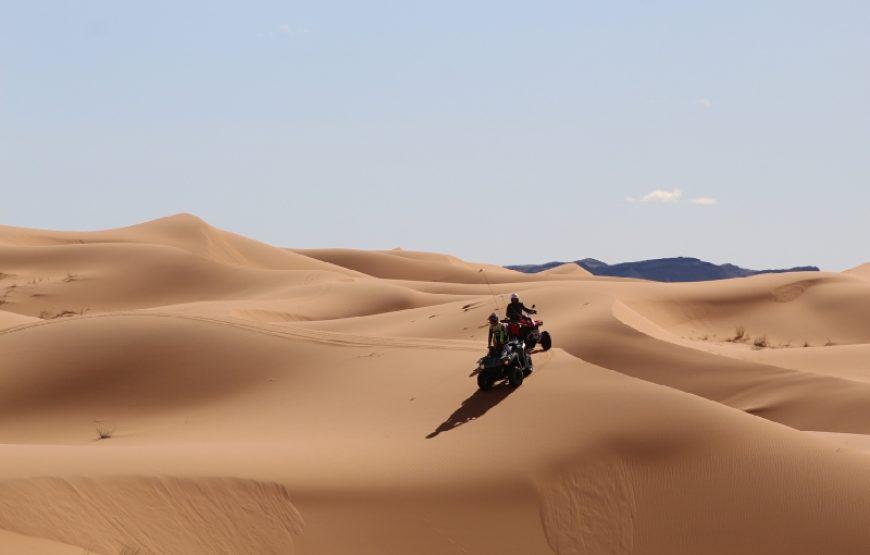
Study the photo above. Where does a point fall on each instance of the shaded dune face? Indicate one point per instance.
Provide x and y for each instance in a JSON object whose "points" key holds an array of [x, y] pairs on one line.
{"points": [[144, 362], [255, 399]]}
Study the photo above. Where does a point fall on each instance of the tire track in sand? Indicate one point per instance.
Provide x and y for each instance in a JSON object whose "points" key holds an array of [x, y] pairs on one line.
{"points": [[285, 331]]}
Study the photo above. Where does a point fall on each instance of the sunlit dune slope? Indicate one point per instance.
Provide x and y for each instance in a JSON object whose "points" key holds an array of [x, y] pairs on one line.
{"points": [[570, 269], [785, 309], [57, 280], [11, 319], [862, 271], [182, 231]]}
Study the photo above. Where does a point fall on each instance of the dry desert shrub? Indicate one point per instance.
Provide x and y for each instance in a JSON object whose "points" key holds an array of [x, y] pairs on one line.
{"points": [[104, 431], [739, 335], [48, 315], [760, 342]]}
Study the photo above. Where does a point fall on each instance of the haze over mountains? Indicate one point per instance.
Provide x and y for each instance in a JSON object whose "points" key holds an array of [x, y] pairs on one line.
{"points": [[260, 399], [661, 269]]}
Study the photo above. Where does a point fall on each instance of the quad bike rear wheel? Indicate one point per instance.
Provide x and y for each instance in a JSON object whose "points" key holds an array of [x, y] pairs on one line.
{"points": [[484, 381], [531, 341], [546, 341]]}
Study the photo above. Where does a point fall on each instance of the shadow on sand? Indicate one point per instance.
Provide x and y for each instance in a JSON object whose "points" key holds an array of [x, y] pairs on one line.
{"points": [[474, 407]]}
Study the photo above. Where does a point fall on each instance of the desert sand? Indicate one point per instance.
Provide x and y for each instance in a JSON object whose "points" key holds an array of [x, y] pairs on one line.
{"points": [[273, 400]]}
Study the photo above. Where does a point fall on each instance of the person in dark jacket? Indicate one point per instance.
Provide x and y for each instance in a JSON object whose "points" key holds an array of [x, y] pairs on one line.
{"points": [[515, 311], [516, 308]]}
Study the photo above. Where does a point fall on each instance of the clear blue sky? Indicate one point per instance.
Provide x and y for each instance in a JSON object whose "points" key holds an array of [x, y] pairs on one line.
{"points": [[499, 131]]}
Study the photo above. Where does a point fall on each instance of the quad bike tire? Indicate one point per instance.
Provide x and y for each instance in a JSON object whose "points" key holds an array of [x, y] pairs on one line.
{"points": [[484, 381], [546, 340], [515, 376]]}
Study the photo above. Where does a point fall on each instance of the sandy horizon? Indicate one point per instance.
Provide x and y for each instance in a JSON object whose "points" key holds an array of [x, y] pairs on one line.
{"points": [[262, 399]]}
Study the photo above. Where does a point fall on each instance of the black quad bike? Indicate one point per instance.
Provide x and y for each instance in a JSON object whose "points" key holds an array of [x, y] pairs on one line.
{"points": [[511, 364]]}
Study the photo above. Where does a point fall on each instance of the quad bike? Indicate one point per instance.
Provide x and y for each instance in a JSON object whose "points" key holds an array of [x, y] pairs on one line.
{"points": [[512, 363], [529, 330]]}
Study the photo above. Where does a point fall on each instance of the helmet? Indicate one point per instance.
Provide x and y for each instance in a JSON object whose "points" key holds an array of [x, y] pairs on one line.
{"points": [[493, 318], [515, 297]]}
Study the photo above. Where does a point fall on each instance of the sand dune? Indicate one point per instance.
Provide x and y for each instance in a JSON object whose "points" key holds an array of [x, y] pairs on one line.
{"points": [[431, 267], [862, 271], [570, 269], [786, 309], [10, 319], [265, 400], [181, 231]]}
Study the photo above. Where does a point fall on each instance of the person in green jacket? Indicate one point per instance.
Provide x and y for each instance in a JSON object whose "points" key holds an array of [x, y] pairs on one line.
{"points": [[497, 336]]}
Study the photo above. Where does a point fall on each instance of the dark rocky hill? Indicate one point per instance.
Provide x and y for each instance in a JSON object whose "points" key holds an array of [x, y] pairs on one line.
{"points": [[663, 269]]}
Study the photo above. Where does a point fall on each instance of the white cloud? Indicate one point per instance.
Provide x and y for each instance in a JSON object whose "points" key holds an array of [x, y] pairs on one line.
{"points": [[704, 102], [294, 30], [704, 201], [674, 196], [659, 196]]}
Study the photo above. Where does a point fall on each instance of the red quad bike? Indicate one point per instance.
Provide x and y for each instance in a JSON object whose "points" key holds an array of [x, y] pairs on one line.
{"points": [[514, 362], [529, 330]]}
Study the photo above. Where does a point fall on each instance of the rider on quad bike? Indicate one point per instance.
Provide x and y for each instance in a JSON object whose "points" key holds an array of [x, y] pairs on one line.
{"points": [[517, 314], [497, 337], [516, 308]]}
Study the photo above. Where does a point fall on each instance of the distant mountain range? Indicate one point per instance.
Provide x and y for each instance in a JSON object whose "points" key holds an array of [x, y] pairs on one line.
{"points": [[662, 269]]}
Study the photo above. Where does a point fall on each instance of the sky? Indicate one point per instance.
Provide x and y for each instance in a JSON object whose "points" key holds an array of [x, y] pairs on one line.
{"points": [[506, 132]]}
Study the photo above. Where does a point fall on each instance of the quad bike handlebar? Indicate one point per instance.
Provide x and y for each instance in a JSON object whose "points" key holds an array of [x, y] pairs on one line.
{"points": [[525, 321]]}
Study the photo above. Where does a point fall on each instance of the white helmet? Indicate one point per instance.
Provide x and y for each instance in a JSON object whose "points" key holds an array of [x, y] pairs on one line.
{"points": [[515, 297]]}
